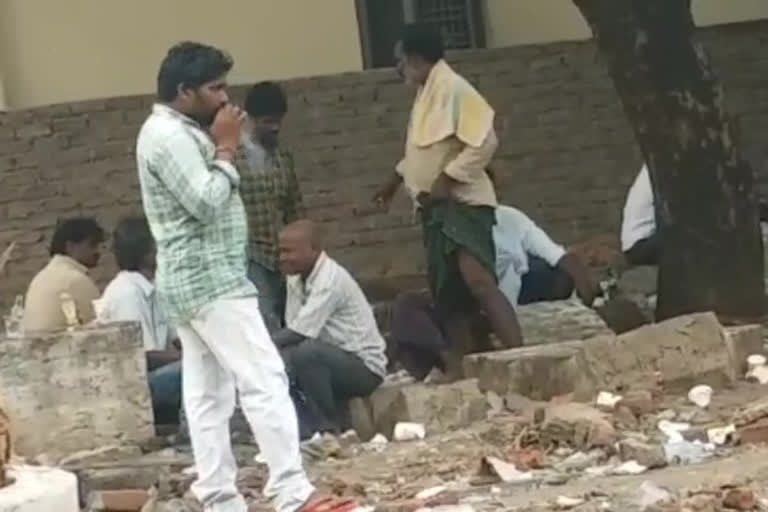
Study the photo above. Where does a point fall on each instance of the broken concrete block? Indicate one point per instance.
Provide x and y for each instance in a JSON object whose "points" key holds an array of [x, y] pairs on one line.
{"points": [[124, 500], [38, 488], [650, 456], [686, 350], [77, 390], [539, 372], [741, 342], [578, 425], [438, 408], [557, 321]]}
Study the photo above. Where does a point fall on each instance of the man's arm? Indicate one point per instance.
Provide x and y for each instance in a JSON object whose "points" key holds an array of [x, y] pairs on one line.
{"points": [[286, 337], [472, 161], [84, 292], [308, 321], [383, 198], [293, 209], [200, 188]]}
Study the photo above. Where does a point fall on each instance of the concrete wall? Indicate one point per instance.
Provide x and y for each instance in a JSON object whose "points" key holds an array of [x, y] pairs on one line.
{"points": [[515, 22], [567, 155], [76, 390], [58, 51]]}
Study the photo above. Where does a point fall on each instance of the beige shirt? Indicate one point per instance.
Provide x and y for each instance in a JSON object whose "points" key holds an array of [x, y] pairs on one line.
{"points": [[42, 307], [466, 164]]}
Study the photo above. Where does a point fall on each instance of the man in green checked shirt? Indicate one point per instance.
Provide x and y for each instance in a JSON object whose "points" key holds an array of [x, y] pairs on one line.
{"points": [[271, 195]]}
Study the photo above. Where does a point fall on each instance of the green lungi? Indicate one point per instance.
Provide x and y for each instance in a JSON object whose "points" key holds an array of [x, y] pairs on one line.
{"points": [[447, 227]]}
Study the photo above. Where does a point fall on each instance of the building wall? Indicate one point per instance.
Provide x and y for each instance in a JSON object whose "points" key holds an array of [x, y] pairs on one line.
{"points": [[510, 23], [58, 51], [567, 155]]}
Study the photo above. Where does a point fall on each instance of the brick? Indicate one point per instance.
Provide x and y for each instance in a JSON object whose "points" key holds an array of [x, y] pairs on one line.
{"points": [[126, 500], [77, 390], [754, 433]]}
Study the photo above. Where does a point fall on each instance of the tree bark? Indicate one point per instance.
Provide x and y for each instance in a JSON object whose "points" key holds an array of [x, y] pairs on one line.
{"points": [[711, 255]]}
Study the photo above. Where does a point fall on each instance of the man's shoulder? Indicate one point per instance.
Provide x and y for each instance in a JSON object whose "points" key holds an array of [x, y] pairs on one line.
{"points": [[157, 131]]}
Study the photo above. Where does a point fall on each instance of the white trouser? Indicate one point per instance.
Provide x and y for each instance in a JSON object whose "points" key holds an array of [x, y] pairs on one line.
{"points": [[226, 346]]}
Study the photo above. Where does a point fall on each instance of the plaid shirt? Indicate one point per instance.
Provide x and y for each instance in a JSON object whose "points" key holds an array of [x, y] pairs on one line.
{"points": [[195, 213], [272, 200]]}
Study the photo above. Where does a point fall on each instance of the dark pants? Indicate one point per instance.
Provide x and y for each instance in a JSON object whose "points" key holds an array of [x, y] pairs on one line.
{"points": [[644, 252], [418, 333], [271, 287], [165, 388], [544, 283], [327, 377]]}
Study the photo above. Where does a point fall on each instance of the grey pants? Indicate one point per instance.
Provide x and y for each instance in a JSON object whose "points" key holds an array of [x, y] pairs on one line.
{"points": [[328, 377], [271, 286]]}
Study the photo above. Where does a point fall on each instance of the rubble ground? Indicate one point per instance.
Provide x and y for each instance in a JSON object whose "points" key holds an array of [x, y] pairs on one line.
{"points": [[546, 466]]}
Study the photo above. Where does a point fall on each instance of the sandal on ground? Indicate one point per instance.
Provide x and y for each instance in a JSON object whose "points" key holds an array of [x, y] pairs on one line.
{"points": [[328, 504]]}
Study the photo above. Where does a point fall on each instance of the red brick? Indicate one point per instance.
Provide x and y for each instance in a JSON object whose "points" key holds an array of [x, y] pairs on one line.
{"points": [[739, 499], [754, 433], [127, 500]]}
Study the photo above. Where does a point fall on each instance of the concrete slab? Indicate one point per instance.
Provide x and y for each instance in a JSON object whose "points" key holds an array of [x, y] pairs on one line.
{"points": [[538, 372], [693, 349], [40, 489], [77, 390], [438, 407]]}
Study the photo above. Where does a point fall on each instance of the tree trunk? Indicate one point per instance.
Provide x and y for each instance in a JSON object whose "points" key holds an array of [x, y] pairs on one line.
{"points": [[706, 211]]}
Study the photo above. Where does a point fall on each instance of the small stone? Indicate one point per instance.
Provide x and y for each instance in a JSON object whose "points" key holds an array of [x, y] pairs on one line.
{"points": [[667, 414], [126, 500], [755, 433], [646, 455], [739, 499], [529, 458], [349, 438], [495, 404], [625, 417], [580, 461], [640, 402]]}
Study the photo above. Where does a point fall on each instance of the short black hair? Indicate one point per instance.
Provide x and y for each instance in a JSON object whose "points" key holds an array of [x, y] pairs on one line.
{"points": [[266, 99], [423, 40], [132, 242], [190, 65], [75, 230]]}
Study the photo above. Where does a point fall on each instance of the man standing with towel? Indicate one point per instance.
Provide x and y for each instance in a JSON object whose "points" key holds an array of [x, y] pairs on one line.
{"points": [[450, 142]]}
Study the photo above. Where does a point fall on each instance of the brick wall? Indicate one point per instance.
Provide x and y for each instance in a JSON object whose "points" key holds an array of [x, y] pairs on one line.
{"points": [[567, 155]]}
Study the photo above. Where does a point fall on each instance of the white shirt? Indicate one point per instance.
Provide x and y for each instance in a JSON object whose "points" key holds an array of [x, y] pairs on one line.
{"points": [[330, 307], [516, 236], [639, 220], [131, 297]]}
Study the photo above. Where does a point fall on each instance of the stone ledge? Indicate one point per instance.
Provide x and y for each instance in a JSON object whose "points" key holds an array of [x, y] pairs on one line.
{"points": [[77, 390], [682, 351], [438, 407]]}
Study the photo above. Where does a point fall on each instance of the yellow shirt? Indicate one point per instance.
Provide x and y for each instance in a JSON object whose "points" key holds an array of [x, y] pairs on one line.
{"points": [[450, 131], [42, 306], [466, 164]]}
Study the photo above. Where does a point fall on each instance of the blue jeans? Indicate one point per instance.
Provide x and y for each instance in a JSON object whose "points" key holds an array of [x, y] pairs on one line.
{"points": [[165, 388], [271, 286]]}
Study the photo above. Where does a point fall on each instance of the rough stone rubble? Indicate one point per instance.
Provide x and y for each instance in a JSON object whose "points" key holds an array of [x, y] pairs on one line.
{"points": [[604, 423]]}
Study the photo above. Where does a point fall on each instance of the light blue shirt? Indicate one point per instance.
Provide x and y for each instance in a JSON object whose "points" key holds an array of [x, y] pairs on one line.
{"points": [[516, 236]]}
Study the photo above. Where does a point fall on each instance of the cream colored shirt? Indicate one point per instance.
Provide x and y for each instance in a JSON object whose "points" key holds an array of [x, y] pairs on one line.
{"points": [[42, 306], [466, 164]]}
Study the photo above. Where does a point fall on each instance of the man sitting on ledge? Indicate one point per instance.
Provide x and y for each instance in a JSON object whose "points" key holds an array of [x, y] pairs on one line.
{"points": [[530, 268], [131, 297], [331, 344], [75, 248]]}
